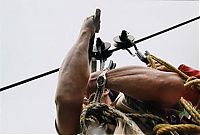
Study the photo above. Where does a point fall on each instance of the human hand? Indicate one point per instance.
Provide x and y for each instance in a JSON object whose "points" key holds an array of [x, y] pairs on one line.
{"points": [[159, 66], [92, 23]]}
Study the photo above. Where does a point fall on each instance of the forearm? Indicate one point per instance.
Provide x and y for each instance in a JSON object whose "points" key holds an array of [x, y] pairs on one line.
{"points": [[145, 84], [148, 84]]}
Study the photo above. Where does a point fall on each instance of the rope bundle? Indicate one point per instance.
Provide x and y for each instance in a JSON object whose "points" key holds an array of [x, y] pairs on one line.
{"points": [[185, 128], [99, 113], [189, 81], [190, 109]]}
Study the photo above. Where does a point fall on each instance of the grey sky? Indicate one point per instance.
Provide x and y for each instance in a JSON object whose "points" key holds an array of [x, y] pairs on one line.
{"points": [[35, 35]]}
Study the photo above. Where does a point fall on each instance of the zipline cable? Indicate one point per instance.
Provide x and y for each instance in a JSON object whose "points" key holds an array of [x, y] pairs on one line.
{"points": [[56, 70], [29, 79], [166, 30]]}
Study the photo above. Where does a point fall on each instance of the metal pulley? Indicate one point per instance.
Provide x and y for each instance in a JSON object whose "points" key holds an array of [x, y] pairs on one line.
{"points": [[99, 52], [101, 49], [124, 40]]}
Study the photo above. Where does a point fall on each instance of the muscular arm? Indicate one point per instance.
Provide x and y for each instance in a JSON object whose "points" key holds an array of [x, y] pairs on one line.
{"points": [[72, 81], [145, 84]]}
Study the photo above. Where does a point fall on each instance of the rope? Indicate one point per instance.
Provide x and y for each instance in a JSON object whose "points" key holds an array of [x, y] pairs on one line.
{"points": [[189, 81], [100, 113], [192, 81], [195, 115], [147, 116], [184, 128], [151, 62], [167, 65]]}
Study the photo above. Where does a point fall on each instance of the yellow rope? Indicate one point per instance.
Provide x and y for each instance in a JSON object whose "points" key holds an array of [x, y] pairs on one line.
{"points": [[190, 109], [107, 113], [151, 62], [185, 128], [167, 65], [189, 81], [160, 128], [192, 81]]}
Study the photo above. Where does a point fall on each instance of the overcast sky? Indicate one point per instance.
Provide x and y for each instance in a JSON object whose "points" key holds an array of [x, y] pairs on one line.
{"points": [[35, 35]]}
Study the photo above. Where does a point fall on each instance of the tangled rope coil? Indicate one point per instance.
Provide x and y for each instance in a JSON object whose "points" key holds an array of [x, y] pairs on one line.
{"points": [[189, 81], [190, 109], [101, 113], [185, 128]]}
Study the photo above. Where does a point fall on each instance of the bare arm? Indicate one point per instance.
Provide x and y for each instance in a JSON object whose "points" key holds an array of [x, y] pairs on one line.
{"points": [[145, 84], [72, 81]]}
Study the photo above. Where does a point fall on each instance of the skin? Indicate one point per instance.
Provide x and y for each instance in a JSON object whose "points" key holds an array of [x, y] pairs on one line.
{"points": [[75, 82], [163, 87]]}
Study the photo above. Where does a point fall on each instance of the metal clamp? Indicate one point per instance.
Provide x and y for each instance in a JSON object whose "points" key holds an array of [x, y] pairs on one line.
{"points": [[101, 80]]}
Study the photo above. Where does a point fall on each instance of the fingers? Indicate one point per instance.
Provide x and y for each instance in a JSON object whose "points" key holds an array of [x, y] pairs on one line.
{"points": [[92, 23], [149, 65], [159, 66], [162, 68]]}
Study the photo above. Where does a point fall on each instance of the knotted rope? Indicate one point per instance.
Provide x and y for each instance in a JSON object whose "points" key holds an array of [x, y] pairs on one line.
{"points": [[99, 114], [189, 81], [185, 128], [190, 109]]}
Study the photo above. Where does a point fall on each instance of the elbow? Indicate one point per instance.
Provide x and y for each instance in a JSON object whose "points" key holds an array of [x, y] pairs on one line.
{"points": [[69, 93], [61, 99], [68, 113]]}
